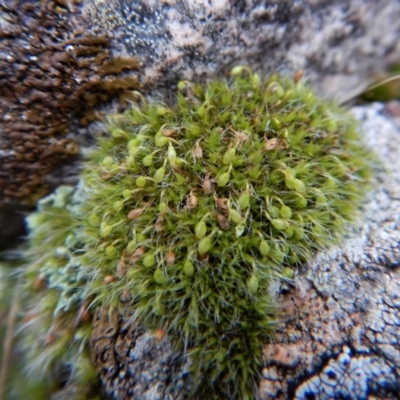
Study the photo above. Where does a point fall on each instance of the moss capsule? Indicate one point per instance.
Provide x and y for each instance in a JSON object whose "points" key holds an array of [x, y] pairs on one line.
{"points": [[301, 202], [147, 161], [289, 182], [149, 260], [279, 224], [159, 276], [200, 230], [204, 245], [134, 143], [299, 233], [223, 179], [160, 140], [276, 88], [252, 284], [299, 186], [141, 181], [320, 200], [229, 156], [288, 273], [111, 251], [159, 175], [264, 248], [235, 216], [237, 70], [131, 246], [289, 231], [107, 161], [135, 213], [126, 193], [188, 268], [117, 205], [244, 201], [163, 207], [171, 154], [94, 220], [105, 230], [285, 212], [275, 123]]}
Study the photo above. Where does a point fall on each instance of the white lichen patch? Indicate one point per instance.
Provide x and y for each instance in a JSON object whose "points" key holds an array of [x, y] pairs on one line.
{"points": [[342, 316], [346, 376]]}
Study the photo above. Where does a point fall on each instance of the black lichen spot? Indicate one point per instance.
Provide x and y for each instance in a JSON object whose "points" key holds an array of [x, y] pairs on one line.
{"points": [[331, 375], [310, 396]]}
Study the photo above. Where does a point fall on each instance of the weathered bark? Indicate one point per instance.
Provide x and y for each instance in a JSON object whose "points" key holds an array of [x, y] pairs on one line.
{"points": [[339, 330]]}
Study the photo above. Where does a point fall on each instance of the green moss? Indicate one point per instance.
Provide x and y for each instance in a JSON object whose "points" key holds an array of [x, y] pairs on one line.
{"points": [[192, 209], [55, 334]]}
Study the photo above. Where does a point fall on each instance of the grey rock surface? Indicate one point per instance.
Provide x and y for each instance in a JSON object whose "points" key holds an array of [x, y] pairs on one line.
{"points": [[338, 334], [340, 44]]}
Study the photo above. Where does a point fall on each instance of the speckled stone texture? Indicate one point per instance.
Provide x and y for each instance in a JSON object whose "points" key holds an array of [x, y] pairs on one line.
{"points": [[135, 363], [338, 336], [340, 44]]}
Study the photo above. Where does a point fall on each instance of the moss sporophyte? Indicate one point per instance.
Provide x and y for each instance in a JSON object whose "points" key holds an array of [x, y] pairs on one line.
{"points": [[190, 211]]}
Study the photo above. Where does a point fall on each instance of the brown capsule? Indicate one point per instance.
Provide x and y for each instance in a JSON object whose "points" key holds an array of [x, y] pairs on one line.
{"points": [[136, 254], [204, 258], [241, 136], [197, 151], [135, 213], [121, 266], [275, 144], [222, 222], [159, 334], [170, 258], [298, 75], [108, 279], [39, 282], [207, 186], [223, 203], [159, 223], [256, 118], [84, 314], [192, 200], [168, 132], [106, 177], [125, 296]]}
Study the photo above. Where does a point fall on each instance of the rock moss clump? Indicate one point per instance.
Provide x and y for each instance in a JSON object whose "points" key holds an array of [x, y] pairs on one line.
{"points": [[187, 211]]}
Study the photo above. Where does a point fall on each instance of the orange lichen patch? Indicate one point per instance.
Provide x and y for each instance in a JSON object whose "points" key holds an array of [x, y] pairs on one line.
{"points": [[50, 72], [159, 334], [282, 355]]}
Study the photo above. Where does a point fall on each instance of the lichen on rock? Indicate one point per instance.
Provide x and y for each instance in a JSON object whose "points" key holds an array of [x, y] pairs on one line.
{"points": [[188, 212], [52, 71]]}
